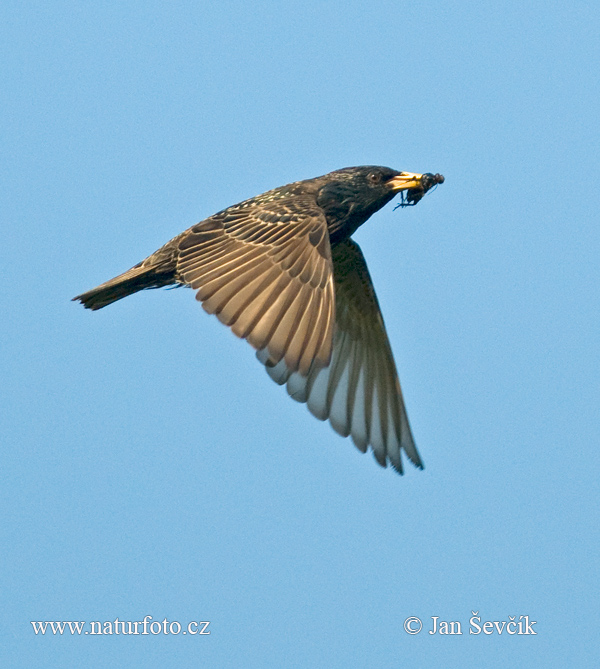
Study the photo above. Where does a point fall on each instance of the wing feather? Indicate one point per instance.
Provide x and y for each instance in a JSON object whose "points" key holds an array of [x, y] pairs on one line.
{"points": [[359, 391], [264, 268]]}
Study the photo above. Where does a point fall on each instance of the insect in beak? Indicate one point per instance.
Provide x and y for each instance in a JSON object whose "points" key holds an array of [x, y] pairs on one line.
{"points": [[411, 196]]}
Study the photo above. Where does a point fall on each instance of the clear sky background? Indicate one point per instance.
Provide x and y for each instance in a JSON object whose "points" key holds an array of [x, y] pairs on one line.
{"points": [[150, 466]]}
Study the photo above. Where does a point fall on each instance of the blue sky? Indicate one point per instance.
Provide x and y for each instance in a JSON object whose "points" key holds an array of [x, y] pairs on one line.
{"points": [[149, 465]]}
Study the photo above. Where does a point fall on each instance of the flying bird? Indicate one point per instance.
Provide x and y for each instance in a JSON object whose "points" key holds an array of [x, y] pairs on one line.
{"points": [[281, 270]]}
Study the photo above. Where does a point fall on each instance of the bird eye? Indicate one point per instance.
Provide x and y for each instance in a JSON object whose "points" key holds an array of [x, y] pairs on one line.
{"points": [[374, 177]]}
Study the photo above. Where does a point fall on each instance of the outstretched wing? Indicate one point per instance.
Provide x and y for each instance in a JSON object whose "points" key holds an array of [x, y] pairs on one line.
{"points": [[264, 269], [359, 392]]}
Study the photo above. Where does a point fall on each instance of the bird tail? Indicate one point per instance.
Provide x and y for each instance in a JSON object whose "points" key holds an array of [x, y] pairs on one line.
{"points": [[137, 278]]}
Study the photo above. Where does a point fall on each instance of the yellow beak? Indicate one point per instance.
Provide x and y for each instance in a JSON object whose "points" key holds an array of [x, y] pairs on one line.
{"points": [[405, 180]]}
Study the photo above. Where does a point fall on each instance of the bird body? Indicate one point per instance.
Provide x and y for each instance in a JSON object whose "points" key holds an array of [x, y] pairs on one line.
{"points": [[281, 271]]}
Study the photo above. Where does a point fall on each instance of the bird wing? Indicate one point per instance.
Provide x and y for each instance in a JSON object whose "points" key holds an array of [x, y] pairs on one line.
{"points": [[359, 392], [264, 269]]}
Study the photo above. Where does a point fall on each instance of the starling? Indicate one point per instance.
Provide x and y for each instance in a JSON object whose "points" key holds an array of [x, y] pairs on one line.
{"points": [[281, 271]]}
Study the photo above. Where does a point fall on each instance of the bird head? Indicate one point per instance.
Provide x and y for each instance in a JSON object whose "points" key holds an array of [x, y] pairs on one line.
{"points": [[352, 195]]}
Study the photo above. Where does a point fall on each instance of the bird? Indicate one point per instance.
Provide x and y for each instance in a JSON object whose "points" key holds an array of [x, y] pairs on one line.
{"points": [[282, 272]]}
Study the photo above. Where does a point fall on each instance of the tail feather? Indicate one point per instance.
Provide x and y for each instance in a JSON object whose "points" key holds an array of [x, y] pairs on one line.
{"points": [[137, 278]]}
